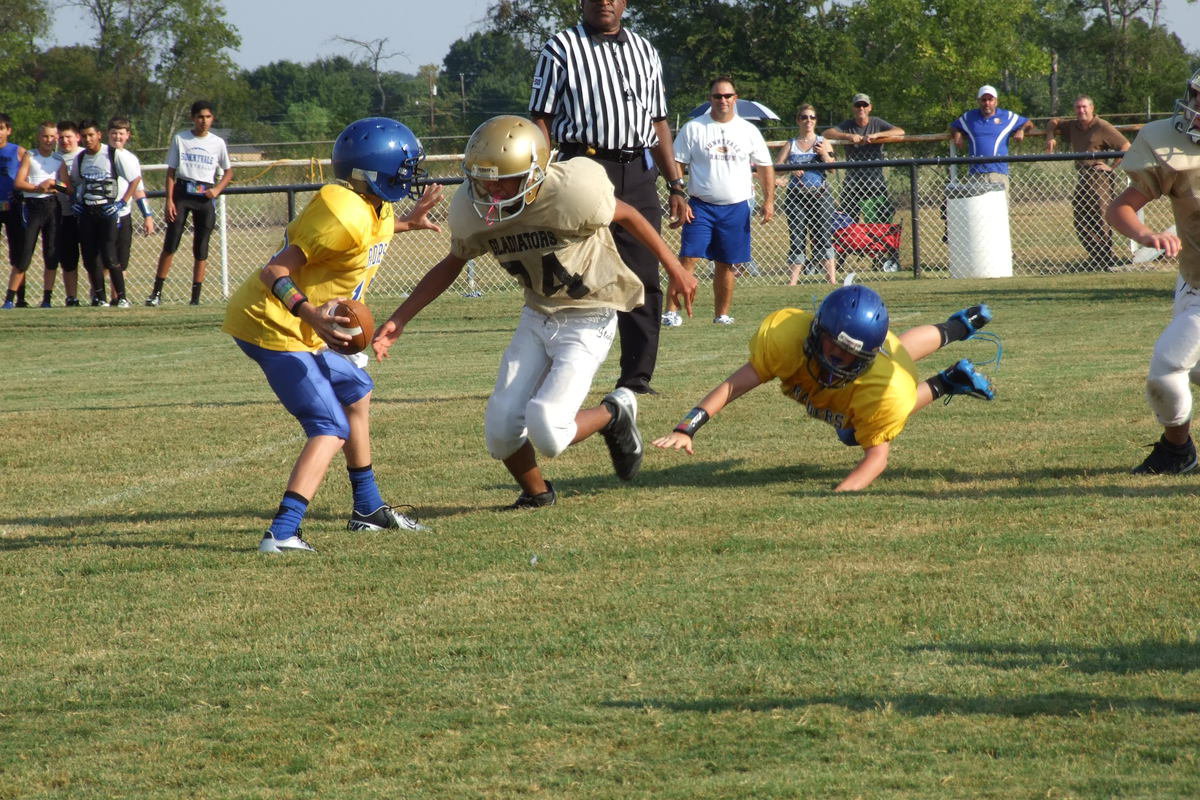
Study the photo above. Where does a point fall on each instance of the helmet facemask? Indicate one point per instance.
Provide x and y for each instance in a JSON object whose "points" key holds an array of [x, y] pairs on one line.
{"points": [[494, 208], [833, 374], [1187, 110]]}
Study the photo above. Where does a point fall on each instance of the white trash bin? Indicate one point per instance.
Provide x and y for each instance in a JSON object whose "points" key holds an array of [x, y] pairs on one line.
{"points": [[977, 230]]}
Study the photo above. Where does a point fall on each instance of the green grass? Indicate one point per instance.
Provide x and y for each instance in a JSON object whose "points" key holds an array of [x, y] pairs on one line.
{"points": [[1007, 613]]}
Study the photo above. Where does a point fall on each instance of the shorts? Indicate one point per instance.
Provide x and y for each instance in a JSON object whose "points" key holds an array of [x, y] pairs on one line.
{"points": [[718, 233], [313, 387]]}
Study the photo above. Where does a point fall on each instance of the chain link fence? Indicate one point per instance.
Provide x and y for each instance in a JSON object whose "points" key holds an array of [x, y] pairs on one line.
{"points": [[899, 225]]}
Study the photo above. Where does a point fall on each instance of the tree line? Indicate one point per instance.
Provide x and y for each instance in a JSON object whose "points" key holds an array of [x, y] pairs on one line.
{"points": [[920, 60]]}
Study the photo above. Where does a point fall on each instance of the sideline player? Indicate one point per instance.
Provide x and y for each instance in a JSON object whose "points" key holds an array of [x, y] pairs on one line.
{"points": [[192, 188], [548, 225], [35, 181], [1165, 160], [282, 318], [68, 246], [119, 132], [11, 155], [103, 181], [848, 370]]}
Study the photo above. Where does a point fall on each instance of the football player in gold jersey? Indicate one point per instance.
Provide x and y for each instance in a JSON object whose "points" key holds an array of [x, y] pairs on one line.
{"points": [[282, 317], [547, 225], [848, 370], [1165, 161]]}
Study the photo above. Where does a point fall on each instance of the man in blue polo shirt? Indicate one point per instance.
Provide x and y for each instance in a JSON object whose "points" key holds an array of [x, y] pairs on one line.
{"points": [[986, 131]]}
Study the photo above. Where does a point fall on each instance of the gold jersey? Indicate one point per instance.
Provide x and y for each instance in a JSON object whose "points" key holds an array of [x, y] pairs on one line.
{"points": [[559, 247], [876, 405], [344, 240], [1164, 162]]}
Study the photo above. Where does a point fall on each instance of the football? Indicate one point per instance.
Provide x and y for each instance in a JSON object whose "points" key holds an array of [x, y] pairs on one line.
{"points": [[360, 329]]}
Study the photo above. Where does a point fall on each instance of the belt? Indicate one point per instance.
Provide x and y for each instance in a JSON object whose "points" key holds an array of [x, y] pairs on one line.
{"points": [[622, 156]]}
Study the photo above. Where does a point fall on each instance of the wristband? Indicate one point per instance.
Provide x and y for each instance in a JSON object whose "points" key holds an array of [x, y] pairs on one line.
{"points": [[692, 421], [285, 289], [144, 207]]}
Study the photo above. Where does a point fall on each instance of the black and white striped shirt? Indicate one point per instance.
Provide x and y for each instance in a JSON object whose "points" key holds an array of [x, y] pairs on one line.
{"points": [[602, 90]]}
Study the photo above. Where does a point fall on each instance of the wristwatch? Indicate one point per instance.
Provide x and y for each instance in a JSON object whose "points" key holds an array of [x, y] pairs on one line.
{"points": [[678, 187]]}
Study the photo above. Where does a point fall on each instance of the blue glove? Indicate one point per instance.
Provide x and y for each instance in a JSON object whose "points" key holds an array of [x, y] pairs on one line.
{"points": [[77, 209], [114, 209], [847, 437]]}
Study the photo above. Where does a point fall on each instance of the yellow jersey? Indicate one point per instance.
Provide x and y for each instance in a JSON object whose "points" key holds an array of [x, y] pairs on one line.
{"points": [[876, 405], [344, 240]]}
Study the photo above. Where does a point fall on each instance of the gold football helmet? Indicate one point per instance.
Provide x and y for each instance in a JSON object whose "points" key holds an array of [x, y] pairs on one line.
{"points": [[505, 147], [1187, 110]]}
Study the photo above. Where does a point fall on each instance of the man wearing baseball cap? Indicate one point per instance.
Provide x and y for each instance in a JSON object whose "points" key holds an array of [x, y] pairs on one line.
{"points": [[986, 132], [864, 191]]}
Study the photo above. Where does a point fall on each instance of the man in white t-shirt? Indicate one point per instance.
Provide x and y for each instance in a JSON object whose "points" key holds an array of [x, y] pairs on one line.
{"points": [[718, 148], [192, 187]]}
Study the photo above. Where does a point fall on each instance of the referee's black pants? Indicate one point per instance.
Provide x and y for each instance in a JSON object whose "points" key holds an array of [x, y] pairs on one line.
{"points": [[636, 184]]}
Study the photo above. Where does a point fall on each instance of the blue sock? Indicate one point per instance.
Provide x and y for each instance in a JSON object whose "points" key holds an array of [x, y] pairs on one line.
{"points": [[289, 516], [366, 491]]}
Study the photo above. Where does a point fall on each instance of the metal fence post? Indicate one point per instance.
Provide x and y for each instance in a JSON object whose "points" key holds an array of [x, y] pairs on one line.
{"points": [[914, 197], [221, 222]]}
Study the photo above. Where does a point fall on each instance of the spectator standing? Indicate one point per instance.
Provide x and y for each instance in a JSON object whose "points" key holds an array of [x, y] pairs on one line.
{"points": [[864, 191], [11, 155], [807, 202], [103, 181], [987, 131], [1165, 161], [719, 149], [68, 248], [1094, 180], [119, 131], [598, 91], [192, 188], [35, 180]]}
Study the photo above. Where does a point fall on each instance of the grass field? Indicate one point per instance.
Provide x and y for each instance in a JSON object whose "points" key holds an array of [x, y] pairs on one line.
{"points": [[1007, 613]]}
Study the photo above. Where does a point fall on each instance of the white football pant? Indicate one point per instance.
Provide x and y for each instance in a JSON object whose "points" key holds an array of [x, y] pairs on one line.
{"points": [[1175, 360], [545, 375]]}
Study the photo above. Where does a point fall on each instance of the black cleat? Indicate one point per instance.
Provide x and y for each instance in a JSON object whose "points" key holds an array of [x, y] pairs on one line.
{"points": [[528, 501], [1168, 459], [386, 518], [621, 433]]}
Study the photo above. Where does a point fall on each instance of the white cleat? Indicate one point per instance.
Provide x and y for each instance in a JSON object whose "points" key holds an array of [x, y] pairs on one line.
{"points": [[292, 544]]}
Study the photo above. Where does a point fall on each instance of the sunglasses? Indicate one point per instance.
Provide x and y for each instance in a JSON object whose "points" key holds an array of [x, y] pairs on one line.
{"points": [[723, 96], [862, 105], [806, 116]]}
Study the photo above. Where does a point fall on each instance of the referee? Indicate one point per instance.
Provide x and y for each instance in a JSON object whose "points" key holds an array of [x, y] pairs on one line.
{"points": [[598, 92]]}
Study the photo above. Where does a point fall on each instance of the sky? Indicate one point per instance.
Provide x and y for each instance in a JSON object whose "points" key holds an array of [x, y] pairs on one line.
{"points": [[420, 29]]}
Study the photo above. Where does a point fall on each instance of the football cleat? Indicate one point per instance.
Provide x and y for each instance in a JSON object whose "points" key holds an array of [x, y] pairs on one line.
{"points": [[98, 302], [385, 518], [671, 319], [621, 433], [528, 501], [1168, 459], [723, 319], [71, 302], [45, 304], [154, 299], [291, 544], [962, 378], [8, 305], [974, 317]]}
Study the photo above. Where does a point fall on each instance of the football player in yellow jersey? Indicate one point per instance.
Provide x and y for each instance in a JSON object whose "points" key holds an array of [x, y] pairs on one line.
{"points": [[548, 225], [848, 370], [282, 317], [1165, 160]]}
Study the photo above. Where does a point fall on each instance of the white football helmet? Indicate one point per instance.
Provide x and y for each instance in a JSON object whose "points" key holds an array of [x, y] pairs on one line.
{"points": [[1187, 110], [505, 147]]}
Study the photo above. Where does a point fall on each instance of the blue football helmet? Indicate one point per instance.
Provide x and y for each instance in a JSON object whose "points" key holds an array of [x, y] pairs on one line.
{"points": [[856, 320], [379, 156]]}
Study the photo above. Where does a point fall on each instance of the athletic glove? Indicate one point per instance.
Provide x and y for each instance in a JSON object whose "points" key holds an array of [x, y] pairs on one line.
{"points": [[114, 209]]}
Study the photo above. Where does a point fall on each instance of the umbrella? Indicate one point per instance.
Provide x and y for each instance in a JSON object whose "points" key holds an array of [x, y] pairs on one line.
{"points": [[746, 109]]}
